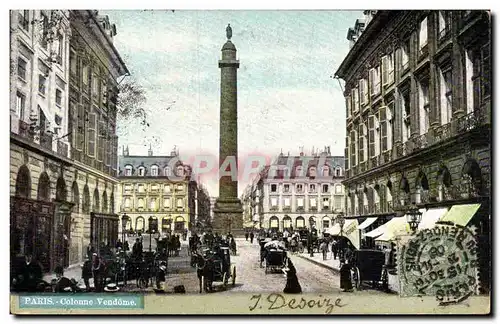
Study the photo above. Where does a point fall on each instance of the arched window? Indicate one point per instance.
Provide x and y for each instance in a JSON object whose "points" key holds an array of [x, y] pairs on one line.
{"points": [[140, 203], [300, 222], [326, 171], [95, 207], [167, 171], [23, 182], [61, 192], [76, 197], [154, 170], [112, 203], [298, 171], [287, 222], [312, 171], [141, 171], [326, 222], [44, 187], [274, 223], [338, 172], [104, 202], [312, 221], [128, 170], [180, 171], [86, 199], [139, 223]]}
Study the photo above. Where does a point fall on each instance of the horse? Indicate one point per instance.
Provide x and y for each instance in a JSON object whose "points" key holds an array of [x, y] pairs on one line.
{"points": [[204, 271]]}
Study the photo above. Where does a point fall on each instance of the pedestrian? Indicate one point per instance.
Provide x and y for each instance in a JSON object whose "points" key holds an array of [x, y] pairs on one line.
{"points": [[119, 244], [251, 237], [90, 250], [28, 275], [87, 272], [323, 247], [292, 282], [137, 249], [98, 273], [335, 249], [246, 236], [126, 247], [345, 276]]}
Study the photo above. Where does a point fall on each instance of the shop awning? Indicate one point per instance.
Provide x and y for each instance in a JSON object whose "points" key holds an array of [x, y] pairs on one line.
{"points": [[334, 230], [394, 227], [431, 216], [367, 222], [461, 214], [350, 231]]}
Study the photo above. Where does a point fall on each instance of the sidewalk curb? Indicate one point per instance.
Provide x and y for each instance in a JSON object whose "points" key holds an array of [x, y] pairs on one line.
{"points": [[337, 271]]}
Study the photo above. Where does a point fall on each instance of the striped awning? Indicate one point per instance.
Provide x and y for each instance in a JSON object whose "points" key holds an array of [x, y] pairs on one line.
{"points": [[367, 223], [461, 214]]}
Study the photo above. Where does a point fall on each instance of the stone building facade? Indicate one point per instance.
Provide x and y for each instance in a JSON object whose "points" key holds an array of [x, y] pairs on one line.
{"points": [[51, 185], [418, 108], [159, 187], [297, 192]]}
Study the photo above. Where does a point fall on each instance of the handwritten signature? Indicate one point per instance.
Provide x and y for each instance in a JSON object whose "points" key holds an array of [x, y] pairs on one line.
{"points": [[278, 301]]}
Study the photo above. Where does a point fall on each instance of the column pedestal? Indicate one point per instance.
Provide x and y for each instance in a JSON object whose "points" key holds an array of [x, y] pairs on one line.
{"points": [[228, 217]]}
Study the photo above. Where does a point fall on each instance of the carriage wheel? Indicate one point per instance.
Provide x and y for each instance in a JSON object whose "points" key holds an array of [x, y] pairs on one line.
{"points": [[142, 283], [355, 278], [225, 279], [233, 276]]}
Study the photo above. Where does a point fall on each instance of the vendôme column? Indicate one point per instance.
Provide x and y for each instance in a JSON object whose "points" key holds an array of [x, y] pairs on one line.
{"points": [[228, 212]]}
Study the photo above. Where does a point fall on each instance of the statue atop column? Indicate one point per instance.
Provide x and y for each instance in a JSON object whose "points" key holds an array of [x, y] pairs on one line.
{"points": [[229, 32]]}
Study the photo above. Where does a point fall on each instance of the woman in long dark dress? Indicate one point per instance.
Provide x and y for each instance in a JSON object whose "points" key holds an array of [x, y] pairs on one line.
{"points": [[345, 276], [292, 282]]}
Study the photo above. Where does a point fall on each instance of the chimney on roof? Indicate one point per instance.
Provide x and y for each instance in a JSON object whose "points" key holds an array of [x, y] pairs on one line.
{"points": [[150, 151], [126, 152], [174, 151]]}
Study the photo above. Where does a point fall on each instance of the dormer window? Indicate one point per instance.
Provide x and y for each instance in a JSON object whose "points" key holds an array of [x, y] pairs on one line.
{"points": [[128, 170], [298, 171], [141, 171], [167, 171], [326, 171], [338, 172], [180, 171], [312, 172], [154, 170]]}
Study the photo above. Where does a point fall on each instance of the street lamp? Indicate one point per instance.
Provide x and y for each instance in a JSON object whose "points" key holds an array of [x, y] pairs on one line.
{"points": [[341, 221], [413, 217], [125, 220], [150, 225]]}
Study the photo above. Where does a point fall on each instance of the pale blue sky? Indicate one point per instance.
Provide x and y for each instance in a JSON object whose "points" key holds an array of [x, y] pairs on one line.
{"points": [[286, 97]]}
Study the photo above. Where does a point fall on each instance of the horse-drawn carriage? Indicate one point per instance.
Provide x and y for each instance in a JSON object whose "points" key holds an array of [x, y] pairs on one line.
{"points": [[275, 260], [214, 265], [369, 265]]}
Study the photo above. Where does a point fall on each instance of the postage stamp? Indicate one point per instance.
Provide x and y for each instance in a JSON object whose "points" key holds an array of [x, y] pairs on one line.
{"points": [[250, 162]]}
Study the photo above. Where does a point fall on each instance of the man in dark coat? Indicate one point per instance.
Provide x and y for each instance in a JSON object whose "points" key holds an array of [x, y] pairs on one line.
{"points": [[292, 282], [246, 236], [251, 237], [28, 275], [137, 249], [90, 250], [87, 272], [98, 272]]}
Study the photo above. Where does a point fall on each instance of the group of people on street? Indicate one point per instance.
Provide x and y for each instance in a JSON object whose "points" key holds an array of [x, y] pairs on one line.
{"points": [[249, 234]]}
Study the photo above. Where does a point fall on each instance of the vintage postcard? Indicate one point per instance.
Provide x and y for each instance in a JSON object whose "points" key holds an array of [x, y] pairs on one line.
{"points": [[279, 162]]}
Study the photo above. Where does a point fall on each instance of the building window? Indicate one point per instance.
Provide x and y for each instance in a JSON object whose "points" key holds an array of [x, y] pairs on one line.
{"points": [[300, 202], [21, 68], [286, 202], [386, 126], [154, 170], [373, 136], [338, 172], [348, 106], [312, 171], [423, 100], [274, 188], [128, 170], [152, 204], [166, 203], [355, 99], [140, 203], [485, 71], [20, 104], [444, 24], [274, 202], [140, 188], [338, 202], [363, 92], [338, 189], [180, 171], [58, 97], [127, 202], [166, 189], [180, 202], [298, 171], [324, 188], [312, 202], [326, 171], [299, 187], [85, 75], [73, 63], [95, 86], [312, 188], [374, 78], [45, 32], [405, 52], [286, 188], [141, 171], [42, 83], [179, 187], [91, 134], [167, 171], [388, 69], [60, 49], [127, 188], [422, 36], [154, 187], [24, 19], [353, 148], [405, 103], [362, 143], [446, 96], [326, 202]]}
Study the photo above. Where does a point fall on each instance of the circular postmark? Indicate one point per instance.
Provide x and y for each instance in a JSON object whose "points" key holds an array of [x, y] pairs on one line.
{"points": [[441, 262]]}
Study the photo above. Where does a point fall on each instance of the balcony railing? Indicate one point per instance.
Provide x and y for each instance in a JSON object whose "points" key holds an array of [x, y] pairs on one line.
{"points": [[314, 208], [326, 208], [287, 208], [301, 208], [273, 208]]}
